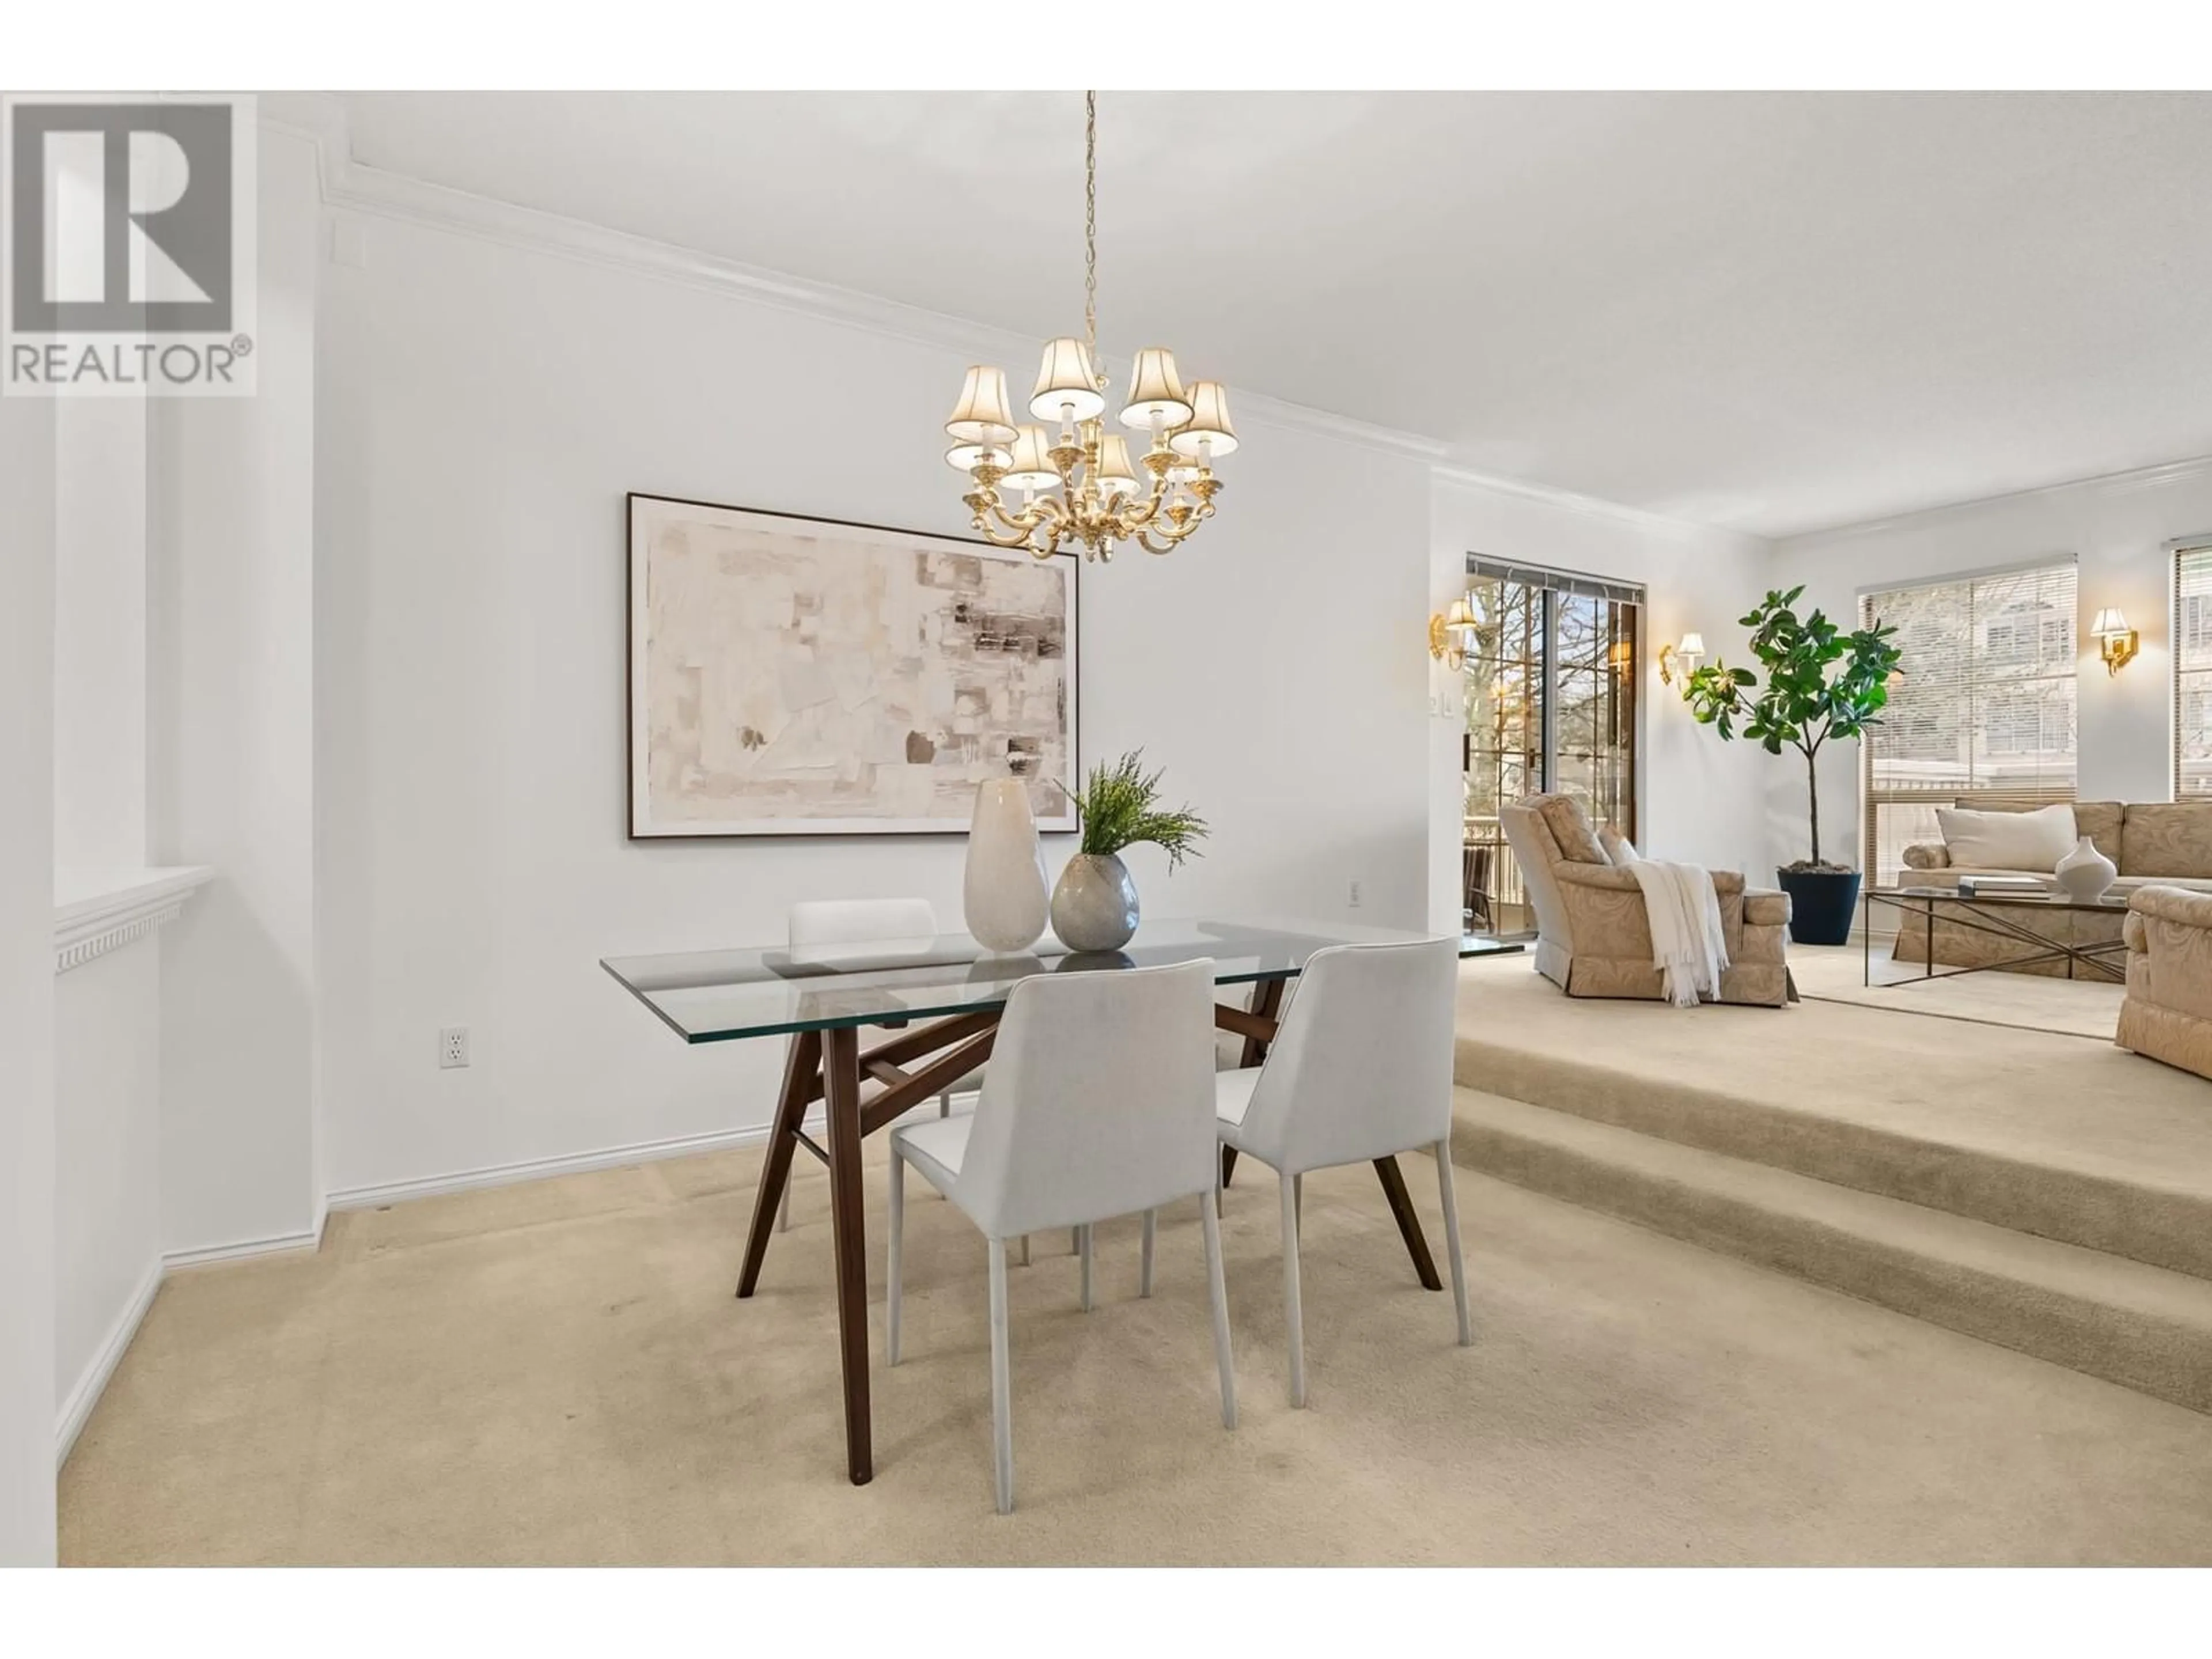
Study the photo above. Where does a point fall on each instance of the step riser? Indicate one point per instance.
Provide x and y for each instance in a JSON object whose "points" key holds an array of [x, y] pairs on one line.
{"points": [[2165, 1359], [2166, 1229]]}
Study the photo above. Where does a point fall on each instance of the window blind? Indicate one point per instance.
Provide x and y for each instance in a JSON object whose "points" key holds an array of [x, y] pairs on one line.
{"points": [[1553, 581], [1982, 707], [2192, 670]]}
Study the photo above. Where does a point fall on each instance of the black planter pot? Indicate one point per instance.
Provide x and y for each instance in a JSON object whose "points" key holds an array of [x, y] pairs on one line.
{"points": [[1822, 903]]}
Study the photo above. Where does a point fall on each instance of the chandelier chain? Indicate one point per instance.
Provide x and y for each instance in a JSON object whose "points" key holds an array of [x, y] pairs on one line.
{"points": [[1091, 223]]}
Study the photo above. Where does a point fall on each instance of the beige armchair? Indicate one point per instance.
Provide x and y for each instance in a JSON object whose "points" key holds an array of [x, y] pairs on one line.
{"points": [[1592, 937], [2167, 1014]]}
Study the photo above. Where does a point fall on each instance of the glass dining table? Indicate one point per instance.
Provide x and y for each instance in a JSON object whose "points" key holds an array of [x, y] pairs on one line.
{"points": [[938, 1001]]}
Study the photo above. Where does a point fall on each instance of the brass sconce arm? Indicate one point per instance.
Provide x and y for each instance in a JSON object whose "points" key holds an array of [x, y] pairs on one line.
{"points": [[1452, 634], [2117, 642]]}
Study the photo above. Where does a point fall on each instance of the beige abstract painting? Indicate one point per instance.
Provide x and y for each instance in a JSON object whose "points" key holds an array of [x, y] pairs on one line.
{"points": [[803, 676]]}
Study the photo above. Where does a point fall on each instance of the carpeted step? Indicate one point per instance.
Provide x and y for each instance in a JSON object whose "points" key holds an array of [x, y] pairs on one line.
{"points": [[2145, 1326], [2133, 1214]]}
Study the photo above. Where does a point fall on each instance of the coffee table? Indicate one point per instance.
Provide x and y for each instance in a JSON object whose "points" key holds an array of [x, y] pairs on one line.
{"points": [[2020, 916]]}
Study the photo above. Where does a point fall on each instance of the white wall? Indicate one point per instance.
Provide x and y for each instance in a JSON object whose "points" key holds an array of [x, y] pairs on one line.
{"points": [[1274, 666], [1700, 798], [100, 632], [26, 982], [231, 586], [2116, 528], [107, 1156], [484, 410]]}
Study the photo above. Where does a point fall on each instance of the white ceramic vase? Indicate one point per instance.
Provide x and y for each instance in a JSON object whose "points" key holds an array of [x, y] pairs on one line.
{"points": [[1003, 896], [2084, 874]]}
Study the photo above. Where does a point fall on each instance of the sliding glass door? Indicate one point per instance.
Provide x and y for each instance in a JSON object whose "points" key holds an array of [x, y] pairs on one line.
{"points": [[1551, 705]]}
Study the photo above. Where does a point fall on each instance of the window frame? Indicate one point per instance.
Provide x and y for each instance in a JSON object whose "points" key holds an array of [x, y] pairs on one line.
{"points": [[1548, 588], [2180, 640], [1873, 798]]}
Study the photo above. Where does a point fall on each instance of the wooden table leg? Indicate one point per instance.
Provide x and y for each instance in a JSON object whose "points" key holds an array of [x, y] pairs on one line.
{"points": [[840, 1077], [800, 1065], [1267, 1003], [1409, 1224]]}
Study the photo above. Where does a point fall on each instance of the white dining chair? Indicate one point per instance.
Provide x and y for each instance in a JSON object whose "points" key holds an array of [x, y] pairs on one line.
{"points": [[813, 923], [1361, 1069], [1098, 1103]]}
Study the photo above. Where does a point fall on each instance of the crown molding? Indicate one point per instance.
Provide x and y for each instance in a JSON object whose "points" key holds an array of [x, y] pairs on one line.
{"points": [[2135, 482], [100, 911], [354, 187], [1595, 506]]}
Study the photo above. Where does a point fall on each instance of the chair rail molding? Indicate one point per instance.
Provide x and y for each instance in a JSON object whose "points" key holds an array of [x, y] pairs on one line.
{"points": [[96, 911]]}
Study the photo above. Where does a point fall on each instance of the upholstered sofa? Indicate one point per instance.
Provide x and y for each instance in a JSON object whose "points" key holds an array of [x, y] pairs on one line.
{"points": [[2168, 844], [1592, 939], [2167, 1013]]}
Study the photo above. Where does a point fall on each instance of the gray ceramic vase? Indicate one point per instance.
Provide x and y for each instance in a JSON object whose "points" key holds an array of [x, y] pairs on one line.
{"points": [[1094, 908]]}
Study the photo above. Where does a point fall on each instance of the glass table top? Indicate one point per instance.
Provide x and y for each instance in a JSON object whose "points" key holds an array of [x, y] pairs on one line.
{"points": [[2047, 899], [714, 996]]}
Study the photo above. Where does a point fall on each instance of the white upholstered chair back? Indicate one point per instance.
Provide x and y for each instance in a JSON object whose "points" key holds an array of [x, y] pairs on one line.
{"points": [[1363, 1067], [1098, 1100]]}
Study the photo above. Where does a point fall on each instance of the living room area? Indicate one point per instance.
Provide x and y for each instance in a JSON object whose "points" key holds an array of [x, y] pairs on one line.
{"points": [[727, 877], [1982, 1099]]}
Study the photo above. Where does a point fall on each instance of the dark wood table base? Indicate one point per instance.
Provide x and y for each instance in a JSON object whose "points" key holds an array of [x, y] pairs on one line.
{"points": [[831, 1067]]}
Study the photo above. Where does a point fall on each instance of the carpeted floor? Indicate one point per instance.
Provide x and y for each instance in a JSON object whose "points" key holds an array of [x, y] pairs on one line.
{"points": [[2040, 1098], [2028, 1002], [559, 1373]]}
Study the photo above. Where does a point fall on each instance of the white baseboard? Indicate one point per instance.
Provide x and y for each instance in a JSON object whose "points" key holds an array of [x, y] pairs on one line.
{"points": [[242, 1249], [610, 1158], [69, 1421], [77, 1409], [507, 1175]]}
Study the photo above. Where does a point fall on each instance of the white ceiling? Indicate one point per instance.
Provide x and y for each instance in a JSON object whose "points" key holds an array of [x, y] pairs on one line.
{"points": [[1773, 311]]}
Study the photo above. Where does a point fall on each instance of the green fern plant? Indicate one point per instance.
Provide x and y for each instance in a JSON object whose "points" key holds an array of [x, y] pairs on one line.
{"points": [[1118, 807]]}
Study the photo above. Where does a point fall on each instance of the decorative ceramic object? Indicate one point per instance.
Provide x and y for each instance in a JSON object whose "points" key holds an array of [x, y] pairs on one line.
{"points": [[2084, 874], [1003, 895], [1094, 908]]}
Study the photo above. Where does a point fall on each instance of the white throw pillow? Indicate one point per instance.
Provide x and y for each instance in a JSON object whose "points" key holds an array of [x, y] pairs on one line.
{"points": [[2009, 841], [1617, 848]]}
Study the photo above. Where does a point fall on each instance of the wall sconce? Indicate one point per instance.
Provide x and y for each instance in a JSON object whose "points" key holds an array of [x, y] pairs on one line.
{"points": [[2116, 642], [1681, 660], [1452, 634]]}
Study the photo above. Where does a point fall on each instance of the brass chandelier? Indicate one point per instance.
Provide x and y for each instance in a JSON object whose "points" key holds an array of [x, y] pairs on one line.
{"points": [[1077, 486]]}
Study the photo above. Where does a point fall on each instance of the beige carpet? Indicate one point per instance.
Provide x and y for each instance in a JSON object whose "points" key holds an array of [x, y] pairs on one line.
{"points": [[2031, 1002], [2052, 1101], [559, 1373]]}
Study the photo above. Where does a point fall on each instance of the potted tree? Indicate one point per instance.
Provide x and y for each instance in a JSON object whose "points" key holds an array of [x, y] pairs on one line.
{"points": [[1821, 682]]}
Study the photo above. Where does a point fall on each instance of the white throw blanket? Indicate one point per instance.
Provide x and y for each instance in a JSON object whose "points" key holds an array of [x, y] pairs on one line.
{"points": [[1687, 945]]}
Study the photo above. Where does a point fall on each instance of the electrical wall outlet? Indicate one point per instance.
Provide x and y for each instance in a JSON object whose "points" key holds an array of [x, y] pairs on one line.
{"points": [[1355, 895], [452, 1047]]}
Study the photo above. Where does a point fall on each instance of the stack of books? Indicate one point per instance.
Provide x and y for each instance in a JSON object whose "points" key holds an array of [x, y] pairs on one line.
{"points": [[2003, 886]]}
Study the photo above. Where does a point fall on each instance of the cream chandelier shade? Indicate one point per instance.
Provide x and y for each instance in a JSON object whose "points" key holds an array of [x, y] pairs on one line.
{"points": [[1075, 478], [983, 417], [1067, 383]]}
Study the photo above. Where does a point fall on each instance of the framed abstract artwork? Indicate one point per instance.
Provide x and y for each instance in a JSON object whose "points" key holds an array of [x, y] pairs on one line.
{"points": [[806, 677]]}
